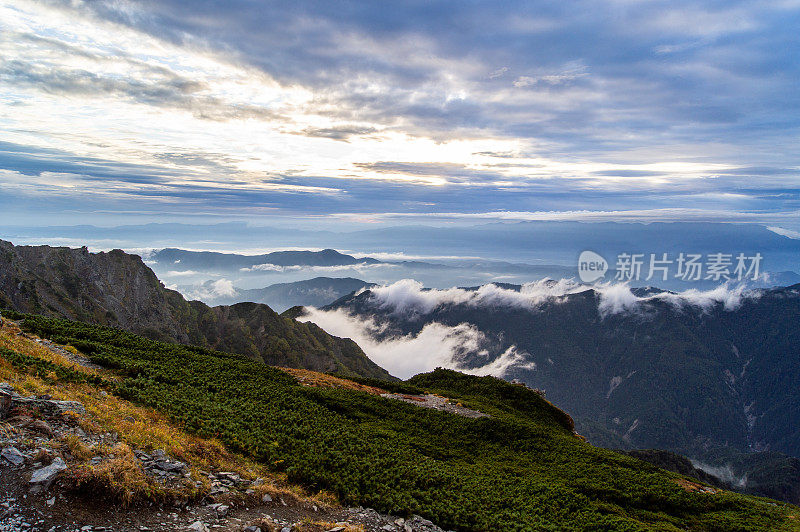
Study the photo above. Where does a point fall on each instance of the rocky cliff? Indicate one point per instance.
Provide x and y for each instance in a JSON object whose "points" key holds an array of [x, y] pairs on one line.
{"points": [[119, 290]]}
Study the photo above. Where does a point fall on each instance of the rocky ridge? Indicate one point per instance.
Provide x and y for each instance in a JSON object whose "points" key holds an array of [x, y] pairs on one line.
{"points": [[118, 289]]}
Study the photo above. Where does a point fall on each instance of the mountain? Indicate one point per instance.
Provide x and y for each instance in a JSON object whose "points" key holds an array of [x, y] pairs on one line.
{"points": [[210, 261], [119, 290], [468, 453], [691, 374], [317, 292]]}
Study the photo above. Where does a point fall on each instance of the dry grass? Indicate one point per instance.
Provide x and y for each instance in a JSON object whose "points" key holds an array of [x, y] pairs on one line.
{"points": [[694, 487], [75, 446], [138, 428], [321, 380], [120, 477]]}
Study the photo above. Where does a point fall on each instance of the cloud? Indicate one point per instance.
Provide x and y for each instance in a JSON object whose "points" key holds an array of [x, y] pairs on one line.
{"points": [[435, 345], [722, 472], [375, 108], [439, 345], [408, 298], [183, 273], [360, 267], [785, 232], [211, 290]]}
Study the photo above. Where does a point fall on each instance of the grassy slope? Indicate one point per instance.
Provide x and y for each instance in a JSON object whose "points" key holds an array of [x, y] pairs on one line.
{"points": [[32, 369], [521, 469]]}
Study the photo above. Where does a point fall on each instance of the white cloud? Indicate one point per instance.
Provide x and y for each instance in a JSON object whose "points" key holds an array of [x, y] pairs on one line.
{"points": [[410, 299], [785, 232], [184, 273], [436, 345], [211, 290], [356, 268]]}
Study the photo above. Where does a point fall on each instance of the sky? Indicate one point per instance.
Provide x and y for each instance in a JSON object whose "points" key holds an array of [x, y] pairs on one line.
{"points": [[394, 112]]}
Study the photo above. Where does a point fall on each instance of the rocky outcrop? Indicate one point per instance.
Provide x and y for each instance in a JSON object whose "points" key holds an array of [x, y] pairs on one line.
{"points": [[117, 289]]}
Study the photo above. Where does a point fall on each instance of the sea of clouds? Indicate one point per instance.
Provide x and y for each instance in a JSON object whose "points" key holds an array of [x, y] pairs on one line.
{"points": [[439, 345]]}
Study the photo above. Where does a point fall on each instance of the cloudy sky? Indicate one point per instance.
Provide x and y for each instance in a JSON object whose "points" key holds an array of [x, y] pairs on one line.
{"points": [[369, 112]]}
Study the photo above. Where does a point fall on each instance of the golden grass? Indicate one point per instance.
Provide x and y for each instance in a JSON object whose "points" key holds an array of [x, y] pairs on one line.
{"points": [[73, 443], [138, 428], [119, 476], [322, 380]]}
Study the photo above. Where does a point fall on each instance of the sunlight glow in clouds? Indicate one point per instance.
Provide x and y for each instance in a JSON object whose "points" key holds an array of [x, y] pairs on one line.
{"points": [[238, 110]]}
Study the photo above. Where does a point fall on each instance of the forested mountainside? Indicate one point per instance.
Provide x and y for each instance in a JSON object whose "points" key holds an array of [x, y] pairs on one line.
{"points": [[715, 377], [653, 372], [119, 290]]}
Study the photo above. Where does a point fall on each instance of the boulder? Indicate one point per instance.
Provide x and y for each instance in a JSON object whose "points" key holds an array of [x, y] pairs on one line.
{"points": [[198, 526], [44, 477], [12, 456]]}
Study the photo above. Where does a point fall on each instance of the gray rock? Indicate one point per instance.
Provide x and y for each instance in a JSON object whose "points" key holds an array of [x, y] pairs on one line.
{"points": [[220, 509], [44, 477], [198, 526], [13, 456], [170, 467], [266, 498], [5, 403]]}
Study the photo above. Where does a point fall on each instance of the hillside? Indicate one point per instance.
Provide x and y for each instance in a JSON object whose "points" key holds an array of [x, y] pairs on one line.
{"points": [[75, 457], [655, 371], [519, 467], [118, 289]]}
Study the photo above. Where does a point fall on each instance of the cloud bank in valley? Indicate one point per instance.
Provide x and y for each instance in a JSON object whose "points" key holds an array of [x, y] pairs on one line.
{"points": [[440, 345], [436, 345]]}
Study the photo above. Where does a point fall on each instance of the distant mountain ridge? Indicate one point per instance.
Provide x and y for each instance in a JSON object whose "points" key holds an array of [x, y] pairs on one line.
{"points": [[317, 292], [208, 260], [119, 290]]}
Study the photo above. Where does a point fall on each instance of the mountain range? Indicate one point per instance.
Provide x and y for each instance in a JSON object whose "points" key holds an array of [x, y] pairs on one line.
{"points": [[118, 289], [316, 292], [714, 376]]}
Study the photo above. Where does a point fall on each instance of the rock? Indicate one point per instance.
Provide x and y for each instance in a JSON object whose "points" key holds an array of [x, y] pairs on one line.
{"points": [[51, 501], [69, 406], [198, 526], [266, 498], [220, 509], [159, 454], [170, 467], [44, 477], [252, 529], [13, 456], [388, 528], [336, 529], [5, 403], [41, 427]]}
